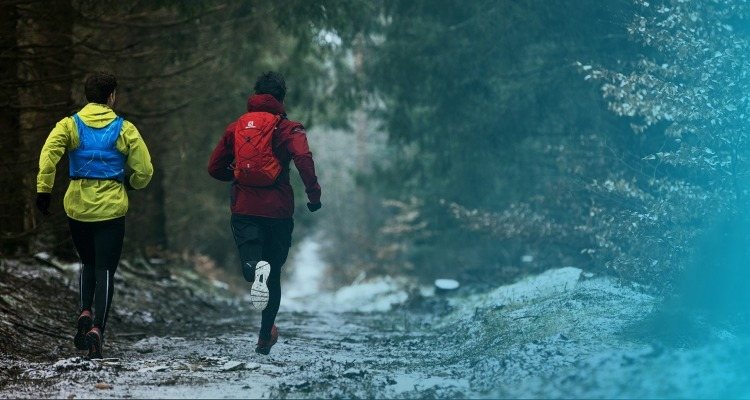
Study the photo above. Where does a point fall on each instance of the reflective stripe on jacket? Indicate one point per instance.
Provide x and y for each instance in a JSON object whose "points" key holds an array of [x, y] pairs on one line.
{"points": [[92, 200]]}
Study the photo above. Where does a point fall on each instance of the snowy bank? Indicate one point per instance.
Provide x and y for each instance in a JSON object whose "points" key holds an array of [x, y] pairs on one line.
{"points": [[377, 295]]}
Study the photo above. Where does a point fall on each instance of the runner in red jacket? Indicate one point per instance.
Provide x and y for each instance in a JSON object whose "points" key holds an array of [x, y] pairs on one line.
{"points": [[262, 221]]}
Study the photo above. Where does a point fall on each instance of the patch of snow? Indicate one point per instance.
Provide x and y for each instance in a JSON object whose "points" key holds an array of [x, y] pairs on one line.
{"points": [[353, 373], [232, 366], [44, 256], [554, 335], [219, 284], [377, 295], [156, 368], [415, 382], [426, 291], [111, 362], [446, 284], [531, 288], [70, 267], [613, 288], [309, 270], [136, 316], [157, 342], [74, 363], [252, 366], [304, 290]]}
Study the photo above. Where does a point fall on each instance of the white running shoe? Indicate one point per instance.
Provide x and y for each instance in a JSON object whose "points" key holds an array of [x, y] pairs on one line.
{"points": [[259, 289]]}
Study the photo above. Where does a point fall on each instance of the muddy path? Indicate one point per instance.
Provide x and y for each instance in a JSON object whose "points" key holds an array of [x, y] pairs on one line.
{"points": [[175, 333], [318, 355], [561, 334]]}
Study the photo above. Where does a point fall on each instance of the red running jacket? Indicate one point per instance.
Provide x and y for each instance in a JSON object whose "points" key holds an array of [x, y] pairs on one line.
{"points": [[289, 143]]}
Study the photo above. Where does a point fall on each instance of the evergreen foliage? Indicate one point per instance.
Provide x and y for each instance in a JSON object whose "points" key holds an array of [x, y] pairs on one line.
{"points": [[185, 71], [473, 140], [689, 92], [488, 118]]}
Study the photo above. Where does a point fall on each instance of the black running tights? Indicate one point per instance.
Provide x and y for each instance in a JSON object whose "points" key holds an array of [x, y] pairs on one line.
{"points": [[99, 245], [267, 239]]}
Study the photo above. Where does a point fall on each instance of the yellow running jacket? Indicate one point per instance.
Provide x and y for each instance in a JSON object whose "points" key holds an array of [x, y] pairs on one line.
{"points": [[91, 200]]}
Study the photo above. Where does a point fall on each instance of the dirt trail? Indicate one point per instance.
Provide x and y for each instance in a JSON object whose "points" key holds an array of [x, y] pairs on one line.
{"points": [[560, 334], [318, 355], [176, 334]]}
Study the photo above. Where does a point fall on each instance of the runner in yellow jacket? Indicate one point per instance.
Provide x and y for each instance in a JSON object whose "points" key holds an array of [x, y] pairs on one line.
{"points": [[94, 200], [101, 146]]}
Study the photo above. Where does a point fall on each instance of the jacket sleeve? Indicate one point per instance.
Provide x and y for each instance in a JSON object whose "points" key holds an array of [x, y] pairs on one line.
{"points": [[138, 157], [54, 147], [297, 146], [219, 165]]}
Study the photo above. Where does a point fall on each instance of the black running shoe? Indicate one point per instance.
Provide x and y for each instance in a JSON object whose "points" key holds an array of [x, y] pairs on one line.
{"points": [[85, 322], [94, 342]]}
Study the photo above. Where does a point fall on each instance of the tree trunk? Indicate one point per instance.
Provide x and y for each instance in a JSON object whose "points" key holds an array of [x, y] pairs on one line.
{"points": [[146, 218], [44, 37], [11, 209]]}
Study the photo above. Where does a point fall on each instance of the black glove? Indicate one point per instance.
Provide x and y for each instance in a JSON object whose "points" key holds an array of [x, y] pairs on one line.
{"points": [[127, 184], [314, 206], [42, 202]]}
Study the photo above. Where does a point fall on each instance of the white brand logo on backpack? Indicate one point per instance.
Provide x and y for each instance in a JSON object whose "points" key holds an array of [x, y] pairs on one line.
{"points": [[250, 124]]}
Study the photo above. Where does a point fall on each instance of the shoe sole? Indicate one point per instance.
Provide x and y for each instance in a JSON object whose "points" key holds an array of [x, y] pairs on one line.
{"points": [[259, 289], [94, 344], [84, 325]]}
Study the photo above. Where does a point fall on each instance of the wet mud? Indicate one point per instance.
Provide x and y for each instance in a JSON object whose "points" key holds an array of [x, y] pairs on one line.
{"points": [[318, 355], [174, 333]]}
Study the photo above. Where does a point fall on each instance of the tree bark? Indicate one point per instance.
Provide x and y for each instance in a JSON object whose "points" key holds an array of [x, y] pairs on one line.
{"points": [[44, 39], [11, 209]]}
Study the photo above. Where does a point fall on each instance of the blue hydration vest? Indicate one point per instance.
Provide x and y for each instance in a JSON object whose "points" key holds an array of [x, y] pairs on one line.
{"points": [[97, 156]]}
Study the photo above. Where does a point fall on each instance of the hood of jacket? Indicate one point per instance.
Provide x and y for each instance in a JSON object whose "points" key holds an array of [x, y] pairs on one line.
{"points": [[265, 102], [96, 115]]}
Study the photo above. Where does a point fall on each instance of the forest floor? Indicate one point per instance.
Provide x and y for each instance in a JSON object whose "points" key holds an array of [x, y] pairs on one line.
{"points": [[561, 334]]}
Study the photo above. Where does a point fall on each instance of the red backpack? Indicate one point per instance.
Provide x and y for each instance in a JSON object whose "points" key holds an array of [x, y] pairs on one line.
{"points": [[255, 163]]}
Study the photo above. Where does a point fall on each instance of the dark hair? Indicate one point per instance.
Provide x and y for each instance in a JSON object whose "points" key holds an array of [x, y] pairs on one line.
{"points": [[271, 83], [99, 86]]}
